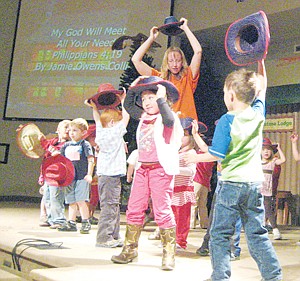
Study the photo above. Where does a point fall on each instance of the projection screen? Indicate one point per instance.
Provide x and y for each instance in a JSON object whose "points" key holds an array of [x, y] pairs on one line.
{"points": [[63, 51]]}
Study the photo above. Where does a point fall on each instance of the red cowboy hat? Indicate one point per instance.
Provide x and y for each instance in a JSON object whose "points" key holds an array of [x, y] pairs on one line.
{"points": [[247, 39], [171, 26], [267, 143], [106, 97], [28, 140], [186, 124], [91, 131], [58, 171]]}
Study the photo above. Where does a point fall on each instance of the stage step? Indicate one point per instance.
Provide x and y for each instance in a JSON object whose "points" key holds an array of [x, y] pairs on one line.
{"points": [[8, 274]]}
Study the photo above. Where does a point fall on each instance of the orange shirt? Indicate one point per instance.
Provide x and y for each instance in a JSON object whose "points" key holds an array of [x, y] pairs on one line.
{"points": [[186, 87]]}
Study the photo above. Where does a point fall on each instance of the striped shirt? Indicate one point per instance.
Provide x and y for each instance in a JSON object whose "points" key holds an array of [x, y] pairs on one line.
{"points": [[183, 184]]}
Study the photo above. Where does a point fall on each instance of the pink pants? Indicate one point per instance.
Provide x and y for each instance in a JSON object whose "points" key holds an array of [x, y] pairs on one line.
{"points": [[157, 184]]}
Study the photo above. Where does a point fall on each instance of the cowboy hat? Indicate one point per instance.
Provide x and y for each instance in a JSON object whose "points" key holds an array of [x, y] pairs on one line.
{"points": [[186, 124], [28, 140], [247, 39], [150, 83], [171, 26], [58, 171], [91, 131], [106, 97], [267, 143]]}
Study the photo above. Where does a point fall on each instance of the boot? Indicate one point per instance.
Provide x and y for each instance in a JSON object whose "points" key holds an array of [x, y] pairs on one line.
{"points": [[168, 239], [130, 249]]}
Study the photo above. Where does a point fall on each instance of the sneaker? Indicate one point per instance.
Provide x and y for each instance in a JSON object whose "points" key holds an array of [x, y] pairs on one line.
{"points": [[85, 227], [44, 221], [93, 220], [109, 244], [203, 252], [55, 226], [155, 235], [68, 226], [120, 242], [179, 248], [269, 227], [233, 257], [276, 234]]}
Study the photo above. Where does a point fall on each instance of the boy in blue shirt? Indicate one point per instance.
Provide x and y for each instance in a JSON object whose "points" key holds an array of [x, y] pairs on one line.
{"points": [[237, 143]]}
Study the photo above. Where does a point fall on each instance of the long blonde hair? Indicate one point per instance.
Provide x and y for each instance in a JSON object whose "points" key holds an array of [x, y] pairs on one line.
{"points": [[165, 72]]}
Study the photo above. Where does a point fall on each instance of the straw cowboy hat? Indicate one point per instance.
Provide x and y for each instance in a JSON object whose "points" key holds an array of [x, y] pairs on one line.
{"points": [[247, 39], [186, 124], [150, 83], [58, 171], [106, 97], [28, 140], [171, 26]]}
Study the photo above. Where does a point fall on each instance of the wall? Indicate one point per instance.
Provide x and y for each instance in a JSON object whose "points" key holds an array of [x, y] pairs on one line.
{"points": [[19, 176]]}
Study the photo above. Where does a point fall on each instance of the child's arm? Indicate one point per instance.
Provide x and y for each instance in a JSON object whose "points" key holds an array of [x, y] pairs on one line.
{"points": [[137, 58], [197, 49], [96, 114], [129, 102], [205, 157], [91, 164], [199, 141], [282, 159], [261, 70], [190, 169], [294, 139], [130, 171], [125, 114], [164, 109]]}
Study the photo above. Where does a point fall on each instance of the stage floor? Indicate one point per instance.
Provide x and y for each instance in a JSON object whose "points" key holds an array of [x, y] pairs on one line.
{"points": [[78, 259]]}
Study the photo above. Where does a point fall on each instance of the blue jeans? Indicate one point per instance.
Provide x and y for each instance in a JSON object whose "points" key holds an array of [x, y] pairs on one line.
{"points": [[54, 202], [244, 200], [235, 239]]}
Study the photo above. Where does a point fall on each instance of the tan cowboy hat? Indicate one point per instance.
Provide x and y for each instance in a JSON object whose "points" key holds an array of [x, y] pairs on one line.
{"points": [[28, 140]]}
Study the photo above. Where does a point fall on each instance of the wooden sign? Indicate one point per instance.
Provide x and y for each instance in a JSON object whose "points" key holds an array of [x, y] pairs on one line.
{"points": [[279, 124]]}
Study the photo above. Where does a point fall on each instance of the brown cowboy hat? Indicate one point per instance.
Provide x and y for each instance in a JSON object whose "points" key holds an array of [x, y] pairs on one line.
{"points": [[58, 171], [171, 26], [28, 140], [106, 97]]}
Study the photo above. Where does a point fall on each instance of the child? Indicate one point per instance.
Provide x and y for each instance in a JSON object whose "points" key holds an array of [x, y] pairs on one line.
{"points": [[201, 182], [269, 162], [175, 69], [111, 166], [294, 139], [184, 196], [80, 152], [94, 195], [237, 143], [54, 197], [159, 136]]}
